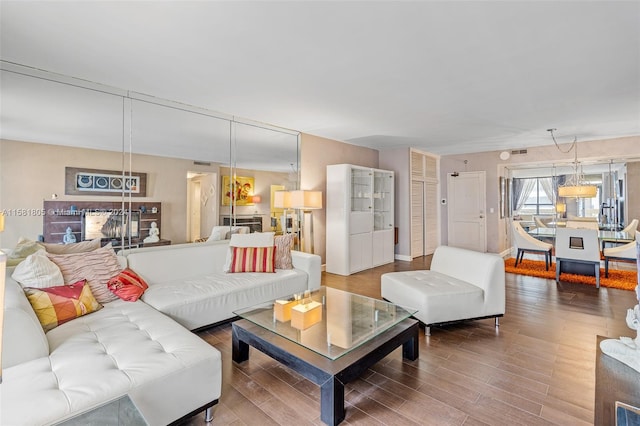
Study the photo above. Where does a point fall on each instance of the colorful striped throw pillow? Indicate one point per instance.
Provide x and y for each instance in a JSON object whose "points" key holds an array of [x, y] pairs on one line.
{"points": [[253, 259]]}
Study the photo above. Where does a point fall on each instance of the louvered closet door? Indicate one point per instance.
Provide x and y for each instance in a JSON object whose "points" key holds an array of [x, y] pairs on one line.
{"points": [[431, 217], [417, 165], [417, 218]]}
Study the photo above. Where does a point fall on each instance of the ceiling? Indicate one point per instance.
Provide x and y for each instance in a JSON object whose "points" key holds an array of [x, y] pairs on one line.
{"points": [[448, 77]]}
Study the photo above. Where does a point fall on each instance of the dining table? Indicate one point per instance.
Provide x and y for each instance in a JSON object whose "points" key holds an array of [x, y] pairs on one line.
{"points": [[605, 236]]}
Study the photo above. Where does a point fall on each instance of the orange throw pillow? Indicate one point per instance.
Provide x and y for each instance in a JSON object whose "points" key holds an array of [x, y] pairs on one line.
{"points": [[127, 285]]}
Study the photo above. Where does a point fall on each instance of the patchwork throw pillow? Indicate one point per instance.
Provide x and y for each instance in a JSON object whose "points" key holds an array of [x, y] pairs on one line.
{"points": [[283, 244], [127, 285], [253, 259], [97, 267], [38, 271], [56, 305], [22, 250], [81, 247]]}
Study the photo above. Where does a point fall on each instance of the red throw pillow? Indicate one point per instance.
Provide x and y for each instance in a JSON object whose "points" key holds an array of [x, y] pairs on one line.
{"points": [[253, 259], [127, 285]]}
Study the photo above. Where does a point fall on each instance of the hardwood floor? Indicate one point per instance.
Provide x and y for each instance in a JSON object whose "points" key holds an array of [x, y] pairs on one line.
{"points": [[537, 369]]}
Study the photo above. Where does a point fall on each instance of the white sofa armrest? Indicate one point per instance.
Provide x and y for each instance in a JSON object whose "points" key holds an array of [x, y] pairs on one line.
{"points": [[24, 339], [311, 264]]}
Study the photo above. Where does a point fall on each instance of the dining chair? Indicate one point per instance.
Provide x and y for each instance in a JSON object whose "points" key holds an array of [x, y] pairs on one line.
{"points": [[525, 243], [539, 222], [626, 253], [582, 224], [632, 227], [576, 247]]}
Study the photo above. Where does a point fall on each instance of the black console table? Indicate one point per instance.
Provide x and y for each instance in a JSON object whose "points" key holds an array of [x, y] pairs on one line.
{"points": [[253, 222], [615, 381]]}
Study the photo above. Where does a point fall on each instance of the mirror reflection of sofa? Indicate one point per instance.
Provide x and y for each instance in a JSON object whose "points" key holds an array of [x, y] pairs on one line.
{"points": [[224, 232]]}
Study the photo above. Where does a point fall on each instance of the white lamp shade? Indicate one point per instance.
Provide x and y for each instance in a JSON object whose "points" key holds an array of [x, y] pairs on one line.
{"points": [[282, 199], [306, 200], [1, 222]]}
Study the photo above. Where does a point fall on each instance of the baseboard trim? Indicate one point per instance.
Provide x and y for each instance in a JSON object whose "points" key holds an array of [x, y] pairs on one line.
{"points": [[508, 253], [403, 257]]}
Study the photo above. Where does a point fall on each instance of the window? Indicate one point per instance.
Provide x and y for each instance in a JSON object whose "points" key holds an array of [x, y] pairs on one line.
{"points": [[536, 196]]}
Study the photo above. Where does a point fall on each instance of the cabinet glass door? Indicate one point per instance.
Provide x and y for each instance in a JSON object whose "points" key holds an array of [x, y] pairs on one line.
{"points": [[360, 190], [382, 200]]}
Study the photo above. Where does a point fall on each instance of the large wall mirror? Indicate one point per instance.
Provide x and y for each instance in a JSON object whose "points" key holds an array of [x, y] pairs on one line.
{"points": [[50, 123], [535, 198]]}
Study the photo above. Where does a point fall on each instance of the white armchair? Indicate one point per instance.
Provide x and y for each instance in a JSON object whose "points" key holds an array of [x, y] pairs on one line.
{"points": [[577, 247], [626, 253], [526, 243]]}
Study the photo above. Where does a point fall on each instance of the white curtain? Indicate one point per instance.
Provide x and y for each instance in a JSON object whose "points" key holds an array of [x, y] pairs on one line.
{"points": [[522, 190], [548, 188]]}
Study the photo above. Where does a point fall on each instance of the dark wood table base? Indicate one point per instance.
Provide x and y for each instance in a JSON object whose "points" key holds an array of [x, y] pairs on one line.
{"points": [[330, 375]]}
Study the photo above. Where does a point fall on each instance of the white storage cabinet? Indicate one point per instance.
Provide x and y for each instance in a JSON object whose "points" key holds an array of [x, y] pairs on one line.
{"points": [[360, 226]]}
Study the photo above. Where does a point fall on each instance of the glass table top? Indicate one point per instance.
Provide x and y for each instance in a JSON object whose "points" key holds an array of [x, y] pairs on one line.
{"points": [[328, 321], [602, 234]]}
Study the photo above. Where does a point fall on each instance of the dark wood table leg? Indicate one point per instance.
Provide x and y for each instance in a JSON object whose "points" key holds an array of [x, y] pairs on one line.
{"points": [[411, 346], [239, 349], [332, 401]]}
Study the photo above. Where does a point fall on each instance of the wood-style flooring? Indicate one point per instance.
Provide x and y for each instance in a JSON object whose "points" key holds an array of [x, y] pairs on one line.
{"points": [[536, 369]]}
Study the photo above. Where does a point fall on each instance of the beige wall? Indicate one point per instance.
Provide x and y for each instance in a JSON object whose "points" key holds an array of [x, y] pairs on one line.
{"points": [[316, 154], [498, 238], [31, 172], [633, 191]]}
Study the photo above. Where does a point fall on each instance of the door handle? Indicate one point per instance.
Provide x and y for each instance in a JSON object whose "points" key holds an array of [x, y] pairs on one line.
{"points": [[481, 217]]}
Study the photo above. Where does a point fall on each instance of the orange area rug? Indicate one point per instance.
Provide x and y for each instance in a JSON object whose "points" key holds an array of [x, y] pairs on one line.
{"points": [[625, 280]]}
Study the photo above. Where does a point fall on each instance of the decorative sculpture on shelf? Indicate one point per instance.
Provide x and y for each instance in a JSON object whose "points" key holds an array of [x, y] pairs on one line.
{"points": [[154, 234], [69, 237], [626, 349]]}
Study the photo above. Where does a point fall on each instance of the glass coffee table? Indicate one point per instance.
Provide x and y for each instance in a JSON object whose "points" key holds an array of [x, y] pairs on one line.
{"points": [[329, 336]]}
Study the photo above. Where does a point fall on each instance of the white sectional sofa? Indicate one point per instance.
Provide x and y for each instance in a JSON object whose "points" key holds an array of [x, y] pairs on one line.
{"points": [[143, 349]]}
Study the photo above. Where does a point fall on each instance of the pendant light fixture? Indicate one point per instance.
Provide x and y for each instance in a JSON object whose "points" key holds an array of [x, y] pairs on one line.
{"points": [[575, 186]]}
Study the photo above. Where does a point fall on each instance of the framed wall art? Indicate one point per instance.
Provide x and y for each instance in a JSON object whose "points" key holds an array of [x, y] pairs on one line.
{"points": [[80, 181], [238, 191]]}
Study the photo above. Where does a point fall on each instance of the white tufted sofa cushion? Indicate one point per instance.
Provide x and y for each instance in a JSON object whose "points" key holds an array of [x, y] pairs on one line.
{"points": [[125, 348]]}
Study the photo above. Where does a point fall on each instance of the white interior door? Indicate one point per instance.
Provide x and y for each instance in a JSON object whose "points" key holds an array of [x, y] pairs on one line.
{"points": [[467, 219], [194, 210]]}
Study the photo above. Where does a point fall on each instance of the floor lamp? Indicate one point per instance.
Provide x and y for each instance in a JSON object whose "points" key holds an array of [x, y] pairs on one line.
{"points": [[306, 201]]}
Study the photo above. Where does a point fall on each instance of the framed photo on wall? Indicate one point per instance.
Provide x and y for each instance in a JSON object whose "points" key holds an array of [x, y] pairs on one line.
{"points": [[79, 181], [239, 190]]}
